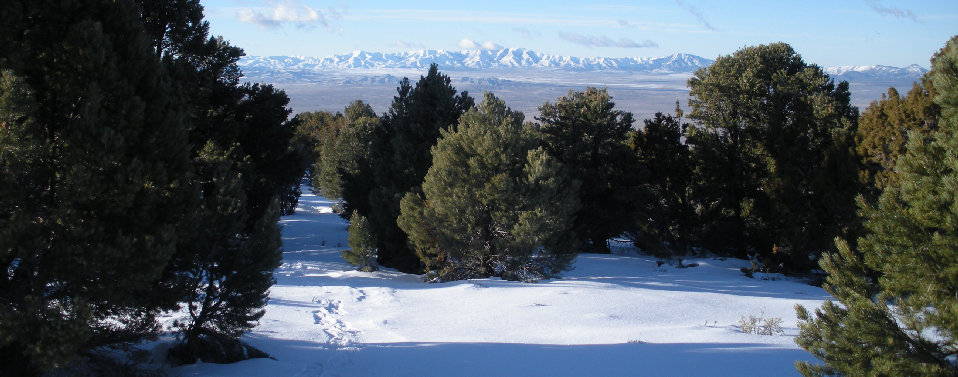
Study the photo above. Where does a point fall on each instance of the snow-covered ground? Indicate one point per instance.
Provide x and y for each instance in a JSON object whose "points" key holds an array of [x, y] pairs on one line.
{"points": [[613, 315]]}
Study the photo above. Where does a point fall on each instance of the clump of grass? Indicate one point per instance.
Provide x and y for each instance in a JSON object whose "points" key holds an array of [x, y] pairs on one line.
{"points": [[760, 324]]}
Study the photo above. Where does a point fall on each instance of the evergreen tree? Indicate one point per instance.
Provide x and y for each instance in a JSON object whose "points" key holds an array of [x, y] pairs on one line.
{"points": [[229, 268], [665, 224], [94, 165], [883, 131], [266, 137], [246, 173], [313, 132], [773, 137], [493, 203], [345, 167], [411, 127], [362, 245], [899, 312], [585, 132]]}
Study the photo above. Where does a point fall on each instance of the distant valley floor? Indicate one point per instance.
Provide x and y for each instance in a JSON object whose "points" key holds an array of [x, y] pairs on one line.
{"points": [[642, 94]]}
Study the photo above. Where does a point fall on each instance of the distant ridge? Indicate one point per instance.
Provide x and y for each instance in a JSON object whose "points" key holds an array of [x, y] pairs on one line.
{"points": [[858, 72], [300, 68], [509, 58]]}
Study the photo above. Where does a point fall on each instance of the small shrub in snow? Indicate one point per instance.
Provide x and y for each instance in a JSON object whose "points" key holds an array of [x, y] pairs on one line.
{"points": [[760, 325]]}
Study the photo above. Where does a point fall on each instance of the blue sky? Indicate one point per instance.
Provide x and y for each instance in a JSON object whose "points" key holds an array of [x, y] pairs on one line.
{"points": [[828, 33]]}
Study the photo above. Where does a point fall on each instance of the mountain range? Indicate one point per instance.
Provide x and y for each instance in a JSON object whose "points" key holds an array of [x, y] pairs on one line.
{"points": [[518, 59], [523, 78], [473, 60]]}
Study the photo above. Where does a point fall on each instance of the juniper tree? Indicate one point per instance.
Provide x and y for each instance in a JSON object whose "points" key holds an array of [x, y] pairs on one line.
{"points": [[493, 203], [773, 138], [94, 162], [883, 131], [897, 293], [584, 132]]}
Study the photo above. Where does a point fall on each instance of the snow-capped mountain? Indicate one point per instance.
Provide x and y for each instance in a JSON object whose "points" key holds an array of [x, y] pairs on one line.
{"points": [[295, 68], [472, 60], [852, 72], [524, 78]]}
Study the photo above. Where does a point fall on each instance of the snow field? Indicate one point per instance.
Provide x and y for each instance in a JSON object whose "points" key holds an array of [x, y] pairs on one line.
{"points": [[613, 315]]}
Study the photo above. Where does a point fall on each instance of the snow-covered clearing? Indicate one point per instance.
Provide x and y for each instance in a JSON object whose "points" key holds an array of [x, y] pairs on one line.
{"points": [[613, 315]]}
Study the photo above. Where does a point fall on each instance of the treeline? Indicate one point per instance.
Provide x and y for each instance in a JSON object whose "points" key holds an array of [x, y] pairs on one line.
{"points": [[770, 163], [137, 175], [763, 166]]}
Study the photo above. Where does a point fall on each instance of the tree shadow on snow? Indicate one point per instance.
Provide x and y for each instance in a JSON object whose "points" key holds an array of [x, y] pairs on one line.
{"points": [[511, 359]]}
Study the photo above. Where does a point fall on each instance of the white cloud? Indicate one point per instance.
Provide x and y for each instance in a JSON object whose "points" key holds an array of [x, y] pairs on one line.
{"points": [[489, 45], [603, 41], [283, 12], [469, 44]]}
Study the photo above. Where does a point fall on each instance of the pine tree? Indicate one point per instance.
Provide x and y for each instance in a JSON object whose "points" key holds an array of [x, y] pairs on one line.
{"points": [[228, 270], [585, 133], [362, 245], [665, 223], [246, 173], [773, 137], [94, 165], [898, 312], [345, 168], [266, 137], [493, 203], [412, 126], [312, 131]]}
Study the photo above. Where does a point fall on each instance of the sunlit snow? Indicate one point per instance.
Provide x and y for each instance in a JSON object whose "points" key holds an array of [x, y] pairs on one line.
{"points": [[613, 315]]}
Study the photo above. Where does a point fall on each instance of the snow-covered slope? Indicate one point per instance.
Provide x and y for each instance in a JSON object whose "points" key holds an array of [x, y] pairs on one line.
{"points": [[613, 315]]}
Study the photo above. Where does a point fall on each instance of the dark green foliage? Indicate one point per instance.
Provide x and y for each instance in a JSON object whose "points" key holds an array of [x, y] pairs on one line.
{"points": [[883, 132], [94, 162], [586, 134], [265, 136], [312, 131], [412, 126], [175, 27], [247, 171], [665, 224], [493, 203], [898, 292], [227, 271], [772, 146], [344, 169], [362, 245]]}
